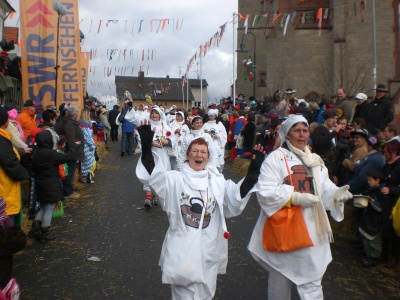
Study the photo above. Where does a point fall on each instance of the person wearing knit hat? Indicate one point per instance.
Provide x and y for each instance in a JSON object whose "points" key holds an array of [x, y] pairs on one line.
{"points": [[218, 134], [362, 107], [27, 117], [294, 178], [15, 129], [324, 140]]}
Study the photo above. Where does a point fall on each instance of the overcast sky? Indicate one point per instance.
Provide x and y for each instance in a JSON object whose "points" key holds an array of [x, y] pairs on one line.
{"points": [[170, 48]]}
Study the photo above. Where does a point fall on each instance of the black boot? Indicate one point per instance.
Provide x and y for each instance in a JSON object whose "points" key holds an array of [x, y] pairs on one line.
{"points": [[35, 231], [46, 235]]}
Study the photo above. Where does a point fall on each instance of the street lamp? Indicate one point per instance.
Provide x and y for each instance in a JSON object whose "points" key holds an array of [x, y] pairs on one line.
{"points": [[61, 11], [242, 49]]}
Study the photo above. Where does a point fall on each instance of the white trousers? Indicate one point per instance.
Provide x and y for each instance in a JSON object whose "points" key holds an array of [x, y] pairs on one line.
{"points": [[179, 292], [279, 288]]}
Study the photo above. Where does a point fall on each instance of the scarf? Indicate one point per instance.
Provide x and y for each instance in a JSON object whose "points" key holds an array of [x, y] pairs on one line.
{"points": [[314, 162], [197, 180]]}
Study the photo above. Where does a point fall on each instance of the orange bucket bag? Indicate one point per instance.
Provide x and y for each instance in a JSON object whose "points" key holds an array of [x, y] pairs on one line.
{"points": [[286, 230]]}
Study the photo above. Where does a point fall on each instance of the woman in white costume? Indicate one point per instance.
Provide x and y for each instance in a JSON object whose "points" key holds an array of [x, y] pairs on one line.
{"points": [[218, 134], [196, 132], [163, 141], [180, 130], [315, 193], [195, 192]]}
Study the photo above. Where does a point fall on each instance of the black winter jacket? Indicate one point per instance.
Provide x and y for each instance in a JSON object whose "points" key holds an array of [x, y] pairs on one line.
{"points": [[70, 129], [45, 164], [380, 113]]}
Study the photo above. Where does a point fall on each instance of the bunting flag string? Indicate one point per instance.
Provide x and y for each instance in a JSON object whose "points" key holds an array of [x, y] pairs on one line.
{"points": [[212, 42], [316, 16], [163, 24], [111, 54]]}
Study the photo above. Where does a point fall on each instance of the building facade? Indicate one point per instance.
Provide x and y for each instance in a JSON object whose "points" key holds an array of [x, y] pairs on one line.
{"points": [[297, 50]]}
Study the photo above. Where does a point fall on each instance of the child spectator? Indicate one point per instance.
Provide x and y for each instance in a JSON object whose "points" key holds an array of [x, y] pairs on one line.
{"points": [[371, 220], [45, 165], [12, 240]]}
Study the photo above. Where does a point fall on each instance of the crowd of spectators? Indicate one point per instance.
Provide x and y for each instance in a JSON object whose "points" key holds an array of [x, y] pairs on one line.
{"points": [[355, 137]]}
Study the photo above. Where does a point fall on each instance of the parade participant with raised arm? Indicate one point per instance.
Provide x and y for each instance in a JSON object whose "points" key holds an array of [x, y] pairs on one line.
{"points": [[197, 199], [163, 141], [295, 181]]}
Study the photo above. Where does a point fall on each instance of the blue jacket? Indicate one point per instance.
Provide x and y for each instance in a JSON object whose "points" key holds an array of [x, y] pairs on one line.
{"points": [[374, 161], [127, 127]]}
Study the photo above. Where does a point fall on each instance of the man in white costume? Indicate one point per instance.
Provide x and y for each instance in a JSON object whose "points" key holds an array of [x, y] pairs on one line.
{"points": [[315, 193]]}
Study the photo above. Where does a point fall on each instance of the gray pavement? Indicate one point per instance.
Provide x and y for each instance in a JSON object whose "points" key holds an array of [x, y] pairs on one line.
{"points": [[108, 222]]}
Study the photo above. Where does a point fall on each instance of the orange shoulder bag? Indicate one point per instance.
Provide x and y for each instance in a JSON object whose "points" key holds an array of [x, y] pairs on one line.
{"points": [[286, 230]]}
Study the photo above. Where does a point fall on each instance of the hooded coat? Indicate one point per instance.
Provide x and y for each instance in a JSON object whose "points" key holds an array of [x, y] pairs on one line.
{"points": [[45, 166]]}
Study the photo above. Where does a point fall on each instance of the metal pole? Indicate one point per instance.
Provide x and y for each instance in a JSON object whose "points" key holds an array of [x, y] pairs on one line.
{"points": [[201, 80], [373, 45], [187, 93], [234, 59], [56, 67], [254, 68]]}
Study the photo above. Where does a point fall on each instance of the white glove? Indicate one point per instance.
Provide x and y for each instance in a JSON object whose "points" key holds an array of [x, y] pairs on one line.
{"points": [[342, 194], [305, 199]]}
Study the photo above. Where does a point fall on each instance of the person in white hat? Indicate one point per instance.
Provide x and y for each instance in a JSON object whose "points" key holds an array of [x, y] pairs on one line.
{"points": [[361, 110], [315, 193], [180, 130], [217, 131]]}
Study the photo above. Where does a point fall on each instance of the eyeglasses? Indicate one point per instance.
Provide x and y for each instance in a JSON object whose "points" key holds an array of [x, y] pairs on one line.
{"points": [[298, 131], [195, 152]]}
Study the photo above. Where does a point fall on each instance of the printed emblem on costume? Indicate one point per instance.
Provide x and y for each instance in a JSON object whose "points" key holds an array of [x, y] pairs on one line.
{"points": [[191, 209], [302, 182]]}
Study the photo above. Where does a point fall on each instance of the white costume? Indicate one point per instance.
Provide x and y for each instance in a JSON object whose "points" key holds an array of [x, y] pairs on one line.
{"points": [[218, 134], [179, 136], [183, 196], [161, 131], [307, 265]]}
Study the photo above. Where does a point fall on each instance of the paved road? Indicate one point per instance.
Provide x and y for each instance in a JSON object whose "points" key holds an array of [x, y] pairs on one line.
{"points": [[108, 222]]}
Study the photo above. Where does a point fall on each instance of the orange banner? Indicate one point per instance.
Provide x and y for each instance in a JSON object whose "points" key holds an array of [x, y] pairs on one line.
{"points": [[85, 58], [39, 32]]}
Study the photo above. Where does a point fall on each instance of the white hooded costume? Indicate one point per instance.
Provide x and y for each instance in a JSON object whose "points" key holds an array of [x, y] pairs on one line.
{"points": [[307, 264], [179, 193], [218, 134]]}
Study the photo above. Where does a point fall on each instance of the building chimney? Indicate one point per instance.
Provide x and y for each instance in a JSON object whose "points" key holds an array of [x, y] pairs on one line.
{"points": [[140, 77]]}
